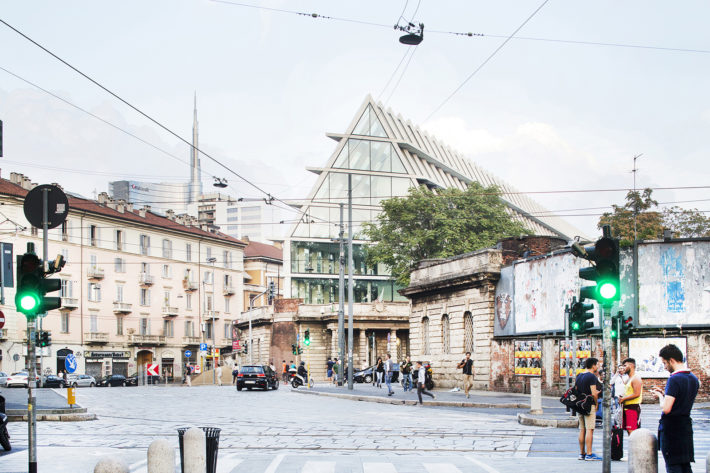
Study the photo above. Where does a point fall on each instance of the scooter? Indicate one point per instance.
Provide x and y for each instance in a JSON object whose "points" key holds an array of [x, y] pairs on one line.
{"points": [[297, 380], [4, 435]]}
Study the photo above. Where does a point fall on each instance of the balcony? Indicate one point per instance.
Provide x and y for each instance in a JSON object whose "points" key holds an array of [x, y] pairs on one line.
{"points": [[191, 340], [170, 311], [96, 337], [146, 339], [70, 303], [3, 334], [95, 273], [145, 279], [211, 314], [189, 286], [122, 308], [228, 290]]}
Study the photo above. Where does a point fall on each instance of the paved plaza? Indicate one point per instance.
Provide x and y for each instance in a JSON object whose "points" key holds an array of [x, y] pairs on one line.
{"points": [[284, 431]]}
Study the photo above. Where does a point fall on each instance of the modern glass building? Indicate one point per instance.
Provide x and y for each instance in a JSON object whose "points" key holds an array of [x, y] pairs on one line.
{"points": [[161, 196], [383, 156]]}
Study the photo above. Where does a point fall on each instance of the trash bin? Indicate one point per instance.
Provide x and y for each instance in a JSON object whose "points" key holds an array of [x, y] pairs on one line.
{"points": [[211, 447]]}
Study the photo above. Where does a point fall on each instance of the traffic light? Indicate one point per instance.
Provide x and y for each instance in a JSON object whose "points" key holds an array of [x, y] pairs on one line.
{"points": [[43, 338], [307, 337], [580, 313], [300, 350], [28, 297], [294, 349], [272, 292], [604, 255], [615, 324], [627, 325]]}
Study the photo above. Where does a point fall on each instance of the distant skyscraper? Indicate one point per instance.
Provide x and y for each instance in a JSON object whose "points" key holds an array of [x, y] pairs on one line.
{"points": [[195, 178]]}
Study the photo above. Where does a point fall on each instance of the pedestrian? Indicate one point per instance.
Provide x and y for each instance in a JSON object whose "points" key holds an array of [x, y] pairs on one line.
{"points": [[284, 371], [218, 374], [379, 371], [675, 429], [618, 381], [631, 400], [235, 374], [293, 366], [421, 380], [329, 370], [406, 369], [588, 383], [188, 379], [389, 370], [467, 366]]}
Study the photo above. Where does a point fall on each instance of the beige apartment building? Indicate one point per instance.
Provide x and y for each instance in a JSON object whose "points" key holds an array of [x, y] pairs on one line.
{"points": [[137, 288]]}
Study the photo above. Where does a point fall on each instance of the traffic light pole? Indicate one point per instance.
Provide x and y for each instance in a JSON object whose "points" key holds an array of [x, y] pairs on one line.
{"points": [[31, 411], [606, 402]]}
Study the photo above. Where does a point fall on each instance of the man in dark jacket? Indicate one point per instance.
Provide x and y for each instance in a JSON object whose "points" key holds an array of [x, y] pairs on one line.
{"points": [[675, 429], [588, 383]]}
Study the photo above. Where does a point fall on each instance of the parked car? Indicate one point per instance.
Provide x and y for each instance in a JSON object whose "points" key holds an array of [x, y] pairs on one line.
{"points": [[18, 379], [257, 376], [132, 380], [81, 380], [114, 380], [52, 381], [3, 379], [366, 376]]}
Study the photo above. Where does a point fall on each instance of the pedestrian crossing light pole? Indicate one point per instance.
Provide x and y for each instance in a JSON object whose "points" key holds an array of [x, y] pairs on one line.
{"points": [[307, 343]]}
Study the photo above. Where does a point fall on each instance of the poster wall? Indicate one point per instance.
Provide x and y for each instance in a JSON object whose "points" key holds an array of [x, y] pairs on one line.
{"points": [[528, 358], [645, 352], [584, 351]]}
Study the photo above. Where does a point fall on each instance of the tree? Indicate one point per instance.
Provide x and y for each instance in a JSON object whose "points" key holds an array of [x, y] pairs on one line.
{"points": [[686, 223], [649, 223], [437, 224]]}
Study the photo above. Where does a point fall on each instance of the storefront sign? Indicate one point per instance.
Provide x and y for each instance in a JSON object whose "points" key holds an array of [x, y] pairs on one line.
{"points": [[107, 354]]}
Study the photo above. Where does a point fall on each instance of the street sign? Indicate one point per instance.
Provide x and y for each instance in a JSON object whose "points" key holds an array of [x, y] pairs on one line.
{"points": [[2, 319], [198, 369], [235, 345], [70, 363], [152, 369], [57, 206], [203, 347], [188, 353]]}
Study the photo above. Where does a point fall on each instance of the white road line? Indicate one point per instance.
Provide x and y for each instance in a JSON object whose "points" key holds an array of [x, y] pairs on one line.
{"points": [[378, 468], [441, 468], [138, 467], [488, 468], [227, 463], [274, 464], [318, 467]]}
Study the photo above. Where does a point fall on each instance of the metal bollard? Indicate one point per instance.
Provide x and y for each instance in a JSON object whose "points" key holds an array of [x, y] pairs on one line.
{"points": [[161, 457], [111, 465], [643, 452], [536, 396], [195, 451]]}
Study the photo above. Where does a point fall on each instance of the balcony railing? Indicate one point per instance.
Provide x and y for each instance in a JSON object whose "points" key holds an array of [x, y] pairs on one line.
{"points": [[122, 307], [211, 314], [145, 279], [70, 303], [191, 340], [146, 339], [228, 290], [170, 311], [96, 337], [95, 273], [189, 286]]}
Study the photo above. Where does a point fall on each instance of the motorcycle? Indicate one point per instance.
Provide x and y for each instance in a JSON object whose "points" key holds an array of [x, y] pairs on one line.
{"points": [[4, 435], [428, 376], [298, 380]]}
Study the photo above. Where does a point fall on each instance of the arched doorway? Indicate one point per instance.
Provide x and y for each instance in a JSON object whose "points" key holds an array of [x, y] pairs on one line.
{"points": [[61, 357], [143, 357]]}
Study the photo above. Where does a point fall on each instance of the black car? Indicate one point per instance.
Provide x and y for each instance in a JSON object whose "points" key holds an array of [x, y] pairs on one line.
{"points": [[132, 380], [52, 381], [366, 376], [257, 376], [114, 380]]}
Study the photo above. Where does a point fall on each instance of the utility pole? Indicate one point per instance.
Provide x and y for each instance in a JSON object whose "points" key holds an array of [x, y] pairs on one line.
{"points": [[341, 299], [606, 403], [636, 209], [350, 281]]}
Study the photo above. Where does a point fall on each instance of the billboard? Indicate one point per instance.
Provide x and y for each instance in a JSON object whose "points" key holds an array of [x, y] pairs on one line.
{"points": [[645, 352], [528, 358]]}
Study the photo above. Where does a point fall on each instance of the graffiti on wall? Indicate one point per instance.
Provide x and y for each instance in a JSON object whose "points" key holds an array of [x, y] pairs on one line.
{"points": [[674, 284], [504, 306]]}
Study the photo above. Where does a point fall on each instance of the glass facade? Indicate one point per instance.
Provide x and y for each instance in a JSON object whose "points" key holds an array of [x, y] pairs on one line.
{"points": [[309, 257], [325, 290]]}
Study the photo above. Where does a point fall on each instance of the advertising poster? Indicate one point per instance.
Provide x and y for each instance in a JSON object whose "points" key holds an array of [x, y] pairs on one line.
{"points": [[584, 351], [528, 358], [645, 352]]}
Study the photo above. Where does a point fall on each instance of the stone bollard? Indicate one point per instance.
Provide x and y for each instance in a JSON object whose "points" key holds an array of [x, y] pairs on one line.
{"points": [[535, 396], [643, 452], [707, 463], [111, 465], [161, 457], [194, 445]]}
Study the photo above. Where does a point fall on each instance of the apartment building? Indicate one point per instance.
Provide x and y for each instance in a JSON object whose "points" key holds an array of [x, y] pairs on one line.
{"points": [[263, 264], [137, 288]]}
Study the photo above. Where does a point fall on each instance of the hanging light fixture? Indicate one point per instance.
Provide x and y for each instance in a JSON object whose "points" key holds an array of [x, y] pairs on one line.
{"points": [[414, 35]]}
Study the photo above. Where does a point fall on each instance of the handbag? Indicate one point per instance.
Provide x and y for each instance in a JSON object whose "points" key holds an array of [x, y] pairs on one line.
{"points": [[577, 401]]}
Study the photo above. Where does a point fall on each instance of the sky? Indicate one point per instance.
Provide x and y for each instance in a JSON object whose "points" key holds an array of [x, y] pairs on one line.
{"points": [[542, 114]]}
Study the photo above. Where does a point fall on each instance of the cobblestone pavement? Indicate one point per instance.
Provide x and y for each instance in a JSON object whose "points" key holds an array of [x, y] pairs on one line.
{"points": [[280, 431]]}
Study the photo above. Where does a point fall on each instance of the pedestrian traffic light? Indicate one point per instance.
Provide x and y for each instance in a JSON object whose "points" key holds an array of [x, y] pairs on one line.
{"points": [[604, 255], [615, 324], [580, 313], [294, 349], [271, 292], [627, 325], [44, 339], [307, 337]]}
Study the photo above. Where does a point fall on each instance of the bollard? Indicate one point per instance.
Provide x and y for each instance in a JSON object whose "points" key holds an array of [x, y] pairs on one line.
{"points": [[707, 463], [643, 452], [195, 451], [111, 465], [161, 457], [535, 396]]}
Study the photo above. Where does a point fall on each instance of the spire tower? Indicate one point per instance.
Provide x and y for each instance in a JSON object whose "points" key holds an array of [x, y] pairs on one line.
{"points": [[195, 178]]}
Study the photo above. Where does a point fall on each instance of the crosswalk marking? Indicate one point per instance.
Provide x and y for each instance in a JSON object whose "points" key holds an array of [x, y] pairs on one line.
{"points": [[441, 468], [275, 464], [227, 463], [378, 468], [488, 468], [318, 467]]}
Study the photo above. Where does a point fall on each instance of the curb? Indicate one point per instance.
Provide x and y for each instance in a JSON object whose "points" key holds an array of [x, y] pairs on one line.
{"points": [[525, 419], [78, 414], [386, 400]]}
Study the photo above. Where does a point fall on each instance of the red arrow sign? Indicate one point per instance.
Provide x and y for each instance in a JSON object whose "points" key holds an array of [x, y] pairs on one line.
{"points": [[2, 319], [152, 369]]}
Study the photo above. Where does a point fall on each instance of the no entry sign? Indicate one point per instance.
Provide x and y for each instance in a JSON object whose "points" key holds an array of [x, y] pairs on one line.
{"points": [[2, 319]]}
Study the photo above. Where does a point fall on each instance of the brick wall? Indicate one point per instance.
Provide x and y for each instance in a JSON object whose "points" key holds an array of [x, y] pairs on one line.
{"points": [[515, 248]]}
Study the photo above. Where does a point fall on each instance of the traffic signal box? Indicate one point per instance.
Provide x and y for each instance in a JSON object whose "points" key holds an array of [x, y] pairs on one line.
{"points": [[307, 337], [604, 255], [580, 315], [33, 286]]}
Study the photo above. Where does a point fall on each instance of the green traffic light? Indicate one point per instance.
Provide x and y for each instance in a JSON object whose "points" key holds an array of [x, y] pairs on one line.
{"points": [[29, 302], [607, 290], [575, 325], [614, 334]]}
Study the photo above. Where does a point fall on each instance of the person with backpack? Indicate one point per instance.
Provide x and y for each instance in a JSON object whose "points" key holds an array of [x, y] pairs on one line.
{"points": [[406, 369], [588, 384]]}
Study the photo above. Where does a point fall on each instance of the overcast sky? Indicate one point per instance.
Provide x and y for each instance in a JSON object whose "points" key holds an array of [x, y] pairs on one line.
{"points": [[541, 115]]}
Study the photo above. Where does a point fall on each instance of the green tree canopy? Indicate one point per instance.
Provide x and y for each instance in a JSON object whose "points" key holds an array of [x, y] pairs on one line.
{"points": [[437, 224]]}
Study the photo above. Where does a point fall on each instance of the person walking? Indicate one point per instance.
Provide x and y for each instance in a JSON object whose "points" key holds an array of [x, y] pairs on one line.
{"points": [[389, 370], [421, 380], [218, 374], [467, 366], [336, 368], [588, 383], [284, 371], [379, 371], [675, 429], [235, 374], [329, 369], [188, 377], [406, 369], [631, 400]]}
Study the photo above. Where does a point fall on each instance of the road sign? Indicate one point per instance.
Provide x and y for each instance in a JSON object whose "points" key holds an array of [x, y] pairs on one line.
{"points": [[235, 345], [153, 369], [188, 353], [57, 206], [203, 347], [2, 319], [198, 369], [70, 363]]}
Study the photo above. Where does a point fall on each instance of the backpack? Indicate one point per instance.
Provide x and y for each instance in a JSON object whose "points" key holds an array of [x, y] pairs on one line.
{"points": [[577, 401]]}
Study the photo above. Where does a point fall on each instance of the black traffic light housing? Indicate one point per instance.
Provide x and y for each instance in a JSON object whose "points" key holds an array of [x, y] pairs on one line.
{"points": [[627, 325], [271, 293], [44, 338], [580, 315], [32, 284], [604, 255], [294, 349], [307, 337]]}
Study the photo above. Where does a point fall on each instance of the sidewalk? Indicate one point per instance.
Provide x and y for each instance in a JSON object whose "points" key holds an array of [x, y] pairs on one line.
{"points": [[51, 405]]}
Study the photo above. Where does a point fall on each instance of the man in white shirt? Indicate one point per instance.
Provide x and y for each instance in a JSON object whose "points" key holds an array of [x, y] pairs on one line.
{"points": [[421, 380]]}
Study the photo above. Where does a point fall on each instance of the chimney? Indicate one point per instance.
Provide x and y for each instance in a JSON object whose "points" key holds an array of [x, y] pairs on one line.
{"points": [[141, 212], [129, 207], [16, 178], [170, 215], [121, 206], [103, 198], [27, 183]]}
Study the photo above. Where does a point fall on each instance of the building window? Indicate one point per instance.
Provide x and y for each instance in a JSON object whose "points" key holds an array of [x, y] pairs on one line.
{"points": [[208, 252], [208, 330], [119, 325], [189, 329], [145, 268], [208, 302], [66, 290], [166, 298], [425, 335], [65, 231], [226, 257], [208, 277], [188, 252], [144, 297], [168, 328], [226, 305], [33, 231], [188, 301], [143, 327], [145, 245], [93, 235], [120, 265], [94, 292], [93, 323], [119, 293], [166, 271], [65, 254], [167, 249], [65, 322], [445, 340], [227, 330], [467, 332], [119, 240], [93, 262]]}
